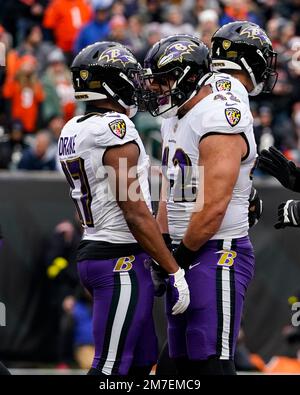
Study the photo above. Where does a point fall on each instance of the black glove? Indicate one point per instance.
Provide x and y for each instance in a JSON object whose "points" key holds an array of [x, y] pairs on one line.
{"points": [[275, 163], [184, 256], [288, 214], [158, 274], [159, 278], [255, 207]]}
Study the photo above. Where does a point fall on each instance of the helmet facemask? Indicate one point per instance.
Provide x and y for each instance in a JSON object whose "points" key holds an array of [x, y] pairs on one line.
{"points": [[166, 92], [173, 70]]}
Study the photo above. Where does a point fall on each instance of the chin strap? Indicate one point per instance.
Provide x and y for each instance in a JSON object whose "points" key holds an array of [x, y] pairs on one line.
{"points": [[131, 110], [257, 87]]}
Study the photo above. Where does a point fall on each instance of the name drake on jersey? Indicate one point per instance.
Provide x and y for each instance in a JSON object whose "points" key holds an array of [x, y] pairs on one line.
{"points": [[66, 145]]}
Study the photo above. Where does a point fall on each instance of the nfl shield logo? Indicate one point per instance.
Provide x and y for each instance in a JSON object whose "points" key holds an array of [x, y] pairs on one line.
{"points": [[233, 116], [118, 127]]}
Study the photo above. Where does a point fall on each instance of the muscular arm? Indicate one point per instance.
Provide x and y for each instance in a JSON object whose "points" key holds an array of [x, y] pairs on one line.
{"points": [[162, 214], [137, 215], [221, 157]]}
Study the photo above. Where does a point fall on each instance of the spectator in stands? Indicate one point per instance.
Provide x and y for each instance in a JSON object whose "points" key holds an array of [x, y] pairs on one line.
{"points": [[54, 127], [18, 15], [118, 30], [62, 286], [174, 23], [12, 145], [65, 18], [208, 24], [152, 12], [136, 33], [296, 121], [33, 45], [24, 94], [239, 10], [38, 157], [97, 29], [83, 343], [58, 88], [192, 13], [264, 135], [153, 34], [5, 38], [118, 8]]}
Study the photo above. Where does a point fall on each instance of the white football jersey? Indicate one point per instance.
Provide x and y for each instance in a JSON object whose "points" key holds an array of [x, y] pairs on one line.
{"points": [[221, 112], [82, 144]]}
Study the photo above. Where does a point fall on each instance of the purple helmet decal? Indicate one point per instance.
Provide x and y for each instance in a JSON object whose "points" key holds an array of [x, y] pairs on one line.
{"points": [[114, 55], [175, 52], [256, 33]]}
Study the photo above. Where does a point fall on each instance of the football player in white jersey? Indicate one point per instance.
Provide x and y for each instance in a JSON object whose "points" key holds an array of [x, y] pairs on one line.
{"points": [[106, 165], [205, 212]]}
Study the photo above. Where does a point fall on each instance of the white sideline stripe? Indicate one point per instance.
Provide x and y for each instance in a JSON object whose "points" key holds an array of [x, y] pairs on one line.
{"points": [[227, 244], [118, 323], [226, 305]]}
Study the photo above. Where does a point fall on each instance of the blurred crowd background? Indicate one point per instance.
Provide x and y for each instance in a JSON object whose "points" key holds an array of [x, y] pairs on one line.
{"points": [[43, 36]]}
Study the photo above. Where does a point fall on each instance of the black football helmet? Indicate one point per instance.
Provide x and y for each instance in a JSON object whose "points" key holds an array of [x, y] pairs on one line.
{"points": [[179, 63], [106, 70], [246, 46]]}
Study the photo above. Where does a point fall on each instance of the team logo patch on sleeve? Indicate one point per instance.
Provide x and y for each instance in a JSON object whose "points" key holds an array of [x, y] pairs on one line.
{"points": [[118, 127], [223, 85], [233, 116]]}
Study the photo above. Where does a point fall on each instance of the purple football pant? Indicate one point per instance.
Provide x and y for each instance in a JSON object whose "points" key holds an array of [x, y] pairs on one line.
{"points": [[218, 280], [123, 325]]}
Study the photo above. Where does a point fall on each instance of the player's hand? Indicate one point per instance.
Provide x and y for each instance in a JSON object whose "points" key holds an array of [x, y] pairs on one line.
{"points": [[180, 292], [184, 256], [159, 278], [158, 274], [255, 207], [288, 214], [275, 163]]}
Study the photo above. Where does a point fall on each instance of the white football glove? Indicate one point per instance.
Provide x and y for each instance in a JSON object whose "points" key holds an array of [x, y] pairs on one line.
{"points": [[180, 292]]}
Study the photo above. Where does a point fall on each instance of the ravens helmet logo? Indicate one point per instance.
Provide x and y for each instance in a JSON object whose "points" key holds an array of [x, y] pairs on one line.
{"points": [[114, 55], [175, 51]]}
